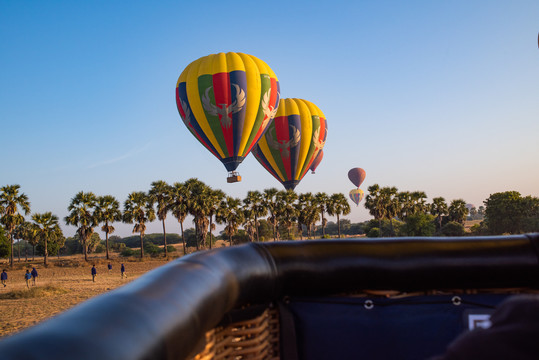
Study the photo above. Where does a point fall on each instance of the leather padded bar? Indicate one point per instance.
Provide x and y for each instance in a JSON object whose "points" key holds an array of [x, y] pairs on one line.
{"points": [[165, 313]]}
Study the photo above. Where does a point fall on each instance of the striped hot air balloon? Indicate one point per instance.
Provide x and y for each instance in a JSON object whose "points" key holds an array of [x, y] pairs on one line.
{"points": [[227, 100], [356, 195], [317, 161], [290, 145]]}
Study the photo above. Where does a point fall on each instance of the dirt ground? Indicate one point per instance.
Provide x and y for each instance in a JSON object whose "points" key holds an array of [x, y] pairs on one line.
{"points": [[63, 284]]}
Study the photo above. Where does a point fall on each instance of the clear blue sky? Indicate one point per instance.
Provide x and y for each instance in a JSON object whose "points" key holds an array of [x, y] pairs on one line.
{"points": [[439, 96]]}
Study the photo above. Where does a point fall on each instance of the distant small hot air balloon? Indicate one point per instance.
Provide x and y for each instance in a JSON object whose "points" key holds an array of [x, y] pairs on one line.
{"points": [[317, 161], [227, 101], [356, 176], [356, 195], [292, 142]]}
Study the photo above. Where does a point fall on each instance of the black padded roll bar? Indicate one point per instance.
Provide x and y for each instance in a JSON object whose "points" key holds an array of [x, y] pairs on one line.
{"points": [[166, 312]]}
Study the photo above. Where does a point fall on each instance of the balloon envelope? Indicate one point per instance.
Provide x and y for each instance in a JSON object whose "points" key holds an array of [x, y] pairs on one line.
{"points": [[356, 176], [227, 101], [317, 161], [292, 142], [356, 195]]}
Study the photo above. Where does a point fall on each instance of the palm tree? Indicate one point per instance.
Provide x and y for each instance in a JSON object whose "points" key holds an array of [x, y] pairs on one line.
{"points": [[419, 202], [10, 201], [308, 211], [160, 193], [439, 208], [46, 230], [19, 234], [138, 209], [214, 200], [180, 206], [107, 211], [287, 210], [375, 204], [23, 232], [199, 207], [405, 204], [390, 202], [249, 223], [458, 211], [254, 202], [82, 214], [337, 205], [230, 213], [270, 203], [321, 201]]}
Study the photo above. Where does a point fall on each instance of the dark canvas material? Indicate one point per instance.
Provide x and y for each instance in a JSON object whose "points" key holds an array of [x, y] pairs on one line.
{"points": [[378, 328]]}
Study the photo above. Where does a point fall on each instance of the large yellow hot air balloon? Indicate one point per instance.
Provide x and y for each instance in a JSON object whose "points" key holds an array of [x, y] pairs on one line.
{"points": [[227, 101], [292, 142]]}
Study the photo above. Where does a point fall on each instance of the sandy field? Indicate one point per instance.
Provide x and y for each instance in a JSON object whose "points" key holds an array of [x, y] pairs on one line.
{"points": [[60, 286]]}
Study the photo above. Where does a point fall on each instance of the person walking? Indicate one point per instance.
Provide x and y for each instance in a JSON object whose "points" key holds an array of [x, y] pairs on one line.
{"points": [[122, 270], [3, 277], [27, 277], [109, 266], [94, 272], [34, 275]]}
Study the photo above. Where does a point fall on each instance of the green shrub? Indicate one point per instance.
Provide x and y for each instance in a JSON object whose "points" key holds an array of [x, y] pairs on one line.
{"points": [[373, 232], [127, 252], [453, 228]]}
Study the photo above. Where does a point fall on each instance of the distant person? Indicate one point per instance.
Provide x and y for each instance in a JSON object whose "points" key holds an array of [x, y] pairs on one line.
{"points": [[27, 277], [94, 273], [122, 270], [34, 275], [109, 266], [3, 277]]}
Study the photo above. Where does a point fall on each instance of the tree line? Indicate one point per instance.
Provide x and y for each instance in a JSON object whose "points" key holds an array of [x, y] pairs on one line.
{"points": [[268, 214], [405, 213], [284, 210]]}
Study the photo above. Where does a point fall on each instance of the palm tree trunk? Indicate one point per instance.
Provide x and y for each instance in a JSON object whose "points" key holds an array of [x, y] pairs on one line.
{"points": [[45, 253], [183, 239], [19, 249], [230, 239], [11, 255], [33, 252], [85, 249], [256, 228], [323, 226], [26, 253], [339, 225], [141, 246], [165, 237], [107, 242], [196, 235], [210, 231]]}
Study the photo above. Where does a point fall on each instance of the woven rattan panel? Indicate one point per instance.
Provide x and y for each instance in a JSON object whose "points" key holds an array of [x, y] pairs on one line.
{"points": [[253, 339]]}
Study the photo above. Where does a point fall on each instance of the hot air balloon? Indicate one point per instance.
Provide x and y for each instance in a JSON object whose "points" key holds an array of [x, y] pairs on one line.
{"points": [[356, 176], [292, 142], [317, 161], [227, 101], [356, 195]]}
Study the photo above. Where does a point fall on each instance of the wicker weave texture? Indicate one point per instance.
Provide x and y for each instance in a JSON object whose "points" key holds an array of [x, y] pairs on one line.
{"points": [[253, 339]]}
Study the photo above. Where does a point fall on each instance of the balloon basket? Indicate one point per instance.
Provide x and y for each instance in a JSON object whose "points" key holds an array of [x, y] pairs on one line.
{"points": [[233, 177]]}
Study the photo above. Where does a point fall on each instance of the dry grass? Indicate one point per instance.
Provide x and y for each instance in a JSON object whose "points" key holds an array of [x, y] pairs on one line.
{"points": [[34, 292], [61, 285], [64, 283]]}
